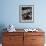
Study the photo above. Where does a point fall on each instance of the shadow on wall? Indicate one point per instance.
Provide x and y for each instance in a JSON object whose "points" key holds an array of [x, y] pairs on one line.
{"points": [[2, 26]]}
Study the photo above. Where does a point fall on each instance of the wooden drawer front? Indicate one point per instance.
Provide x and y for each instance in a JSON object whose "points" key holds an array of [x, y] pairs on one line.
{"points": [[13, 33], [37, 39], [5, 40], [27, 41], [37, 45], [33, 33], [18, 44], [33, 40], [12, 39], [8, 45]]}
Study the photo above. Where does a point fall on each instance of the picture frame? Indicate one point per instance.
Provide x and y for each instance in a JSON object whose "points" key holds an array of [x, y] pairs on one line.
{"points": [[26, 13]]}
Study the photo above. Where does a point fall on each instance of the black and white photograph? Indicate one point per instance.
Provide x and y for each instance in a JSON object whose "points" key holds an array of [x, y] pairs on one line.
{"points": [[26, 13]]}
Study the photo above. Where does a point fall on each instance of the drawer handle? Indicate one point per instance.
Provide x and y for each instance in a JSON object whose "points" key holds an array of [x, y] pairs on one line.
{"points": [[11, 38], [33, 39]]}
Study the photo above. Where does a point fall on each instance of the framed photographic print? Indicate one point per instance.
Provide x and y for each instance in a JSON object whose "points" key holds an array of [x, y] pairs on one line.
{"points": [[26, 13]]}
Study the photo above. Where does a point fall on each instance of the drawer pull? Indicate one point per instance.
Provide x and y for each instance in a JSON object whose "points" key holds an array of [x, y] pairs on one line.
{"points": [[10, 38], [33, 39]]}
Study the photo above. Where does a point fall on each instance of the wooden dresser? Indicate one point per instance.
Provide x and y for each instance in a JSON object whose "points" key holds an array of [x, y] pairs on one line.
{"points": [[23, 39]]}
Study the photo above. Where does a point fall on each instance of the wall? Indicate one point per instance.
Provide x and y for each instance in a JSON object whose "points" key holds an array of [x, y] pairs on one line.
{"points": [[9, 13]]}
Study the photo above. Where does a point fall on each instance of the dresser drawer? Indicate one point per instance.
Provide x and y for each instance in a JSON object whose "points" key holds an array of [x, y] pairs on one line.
{"points": [[34, 33], [13, 44], [13, 33], [37, 39], [37, 44], [12, 39]]}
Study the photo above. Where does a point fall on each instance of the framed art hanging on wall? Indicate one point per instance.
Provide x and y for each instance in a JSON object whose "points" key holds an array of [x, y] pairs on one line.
{"points": [[26, 13]]}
